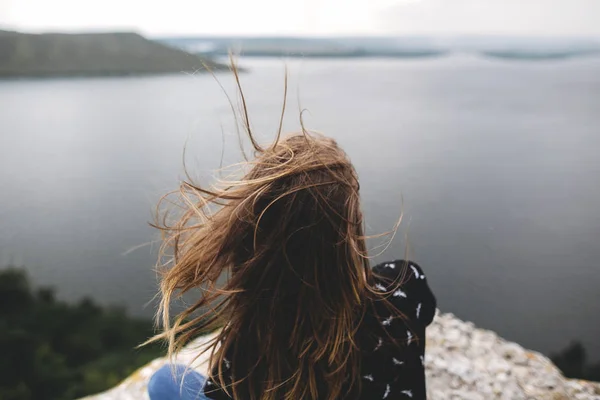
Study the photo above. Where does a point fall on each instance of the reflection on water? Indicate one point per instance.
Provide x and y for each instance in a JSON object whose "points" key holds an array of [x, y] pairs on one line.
{"points": [[496, 162]]}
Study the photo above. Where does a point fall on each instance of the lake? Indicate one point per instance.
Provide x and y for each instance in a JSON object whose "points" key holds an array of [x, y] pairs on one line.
{"points": [[496, 165]]}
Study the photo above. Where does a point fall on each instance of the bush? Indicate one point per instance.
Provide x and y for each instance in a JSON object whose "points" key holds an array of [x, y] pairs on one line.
{"points": [[55, 350], [573, 363]]}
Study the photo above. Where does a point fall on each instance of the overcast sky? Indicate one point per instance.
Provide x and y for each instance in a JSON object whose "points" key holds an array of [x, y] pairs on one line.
{"points": [[307, 17]]}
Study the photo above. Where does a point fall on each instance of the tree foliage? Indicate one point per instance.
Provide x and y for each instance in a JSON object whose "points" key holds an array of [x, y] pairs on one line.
{"points": [[573, 363], [54, 350]]}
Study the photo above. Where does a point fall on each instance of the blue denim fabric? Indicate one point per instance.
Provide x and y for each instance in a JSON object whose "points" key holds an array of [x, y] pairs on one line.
{"points": [[164, 385]]}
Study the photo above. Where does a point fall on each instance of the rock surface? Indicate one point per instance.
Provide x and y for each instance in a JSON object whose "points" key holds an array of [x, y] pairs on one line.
{"points": [[462, 362]]}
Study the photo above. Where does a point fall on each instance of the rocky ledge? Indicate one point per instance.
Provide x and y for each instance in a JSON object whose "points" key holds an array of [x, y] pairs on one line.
{"points": [[462, 362]]}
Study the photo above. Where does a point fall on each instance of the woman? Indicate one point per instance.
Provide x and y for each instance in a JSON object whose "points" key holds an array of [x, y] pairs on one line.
{"points": [[280, 262]]}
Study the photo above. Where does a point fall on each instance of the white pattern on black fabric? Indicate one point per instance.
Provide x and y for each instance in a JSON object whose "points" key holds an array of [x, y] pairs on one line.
{"points": [[405, 377], [380, 287], [416, 272], [379, 343], [387, 391], [399, 293]]}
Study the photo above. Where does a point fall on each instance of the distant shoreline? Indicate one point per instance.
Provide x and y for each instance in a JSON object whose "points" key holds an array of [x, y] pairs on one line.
{"points": [[423, 55], [279, 54], [499, 55], [520, 56], [407, 47]]}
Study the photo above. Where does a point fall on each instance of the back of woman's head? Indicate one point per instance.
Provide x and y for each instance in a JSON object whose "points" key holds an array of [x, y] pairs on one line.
{"points": [[279, 258]]}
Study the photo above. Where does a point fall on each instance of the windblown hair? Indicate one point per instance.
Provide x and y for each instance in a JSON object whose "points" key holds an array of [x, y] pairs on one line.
{"points": [[280, 260]]}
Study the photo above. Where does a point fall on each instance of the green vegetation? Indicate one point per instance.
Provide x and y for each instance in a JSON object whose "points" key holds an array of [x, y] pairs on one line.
{"points": [[573, 362], [89, 54], [54, 350]]}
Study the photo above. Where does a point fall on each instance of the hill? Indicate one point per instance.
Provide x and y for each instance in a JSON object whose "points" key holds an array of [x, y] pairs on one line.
{"points": [[89, 54]]}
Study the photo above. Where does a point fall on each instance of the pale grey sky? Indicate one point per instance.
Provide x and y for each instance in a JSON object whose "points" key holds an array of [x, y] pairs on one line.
{"points": [[307, 17]]}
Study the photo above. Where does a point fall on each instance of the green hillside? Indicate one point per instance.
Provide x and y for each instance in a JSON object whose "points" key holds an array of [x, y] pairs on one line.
{"points": [[89, 54]]}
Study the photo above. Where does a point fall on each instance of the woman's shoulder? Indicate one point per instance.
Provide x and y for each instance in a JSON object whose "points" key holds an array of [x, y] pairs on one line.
{"points": [[405, 285], [391, 269]]}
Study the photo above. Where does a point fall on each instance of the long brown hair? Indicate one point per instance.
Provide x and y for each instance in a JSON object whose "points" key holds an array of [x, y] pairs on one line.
{"points": [[280, 261]]}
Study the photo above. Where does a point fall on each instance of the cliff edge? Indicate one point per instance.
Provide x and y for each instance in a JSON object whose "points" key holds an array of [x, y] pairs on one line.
{"points": [[462, 362]]}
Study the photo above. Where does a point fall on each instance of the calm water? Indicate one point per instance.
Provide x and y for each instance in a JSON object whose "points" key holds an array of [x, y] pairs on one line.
{"points": [[498, 164]]}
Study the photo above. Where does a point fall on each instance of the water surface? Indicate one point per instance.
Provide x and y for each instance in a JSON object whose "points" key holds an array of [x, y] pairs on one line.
{"points": [[497, 163]]}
